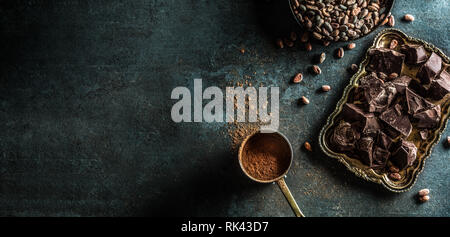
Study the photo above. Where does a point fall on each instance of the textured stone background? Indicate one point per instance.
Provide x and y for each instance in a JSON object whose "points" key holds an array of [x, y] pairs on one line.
{"points": [[85, 111]]}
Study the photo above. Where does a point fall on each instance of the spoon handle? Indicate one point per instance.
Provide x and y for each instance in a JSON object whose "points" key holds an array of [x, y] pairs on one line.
{"points": [[288, 195]]}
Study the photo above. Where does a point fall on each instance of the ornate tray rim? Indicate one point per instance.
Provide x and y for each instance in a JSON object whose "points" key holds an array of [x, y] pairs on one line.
{"points": [[329, 123]]}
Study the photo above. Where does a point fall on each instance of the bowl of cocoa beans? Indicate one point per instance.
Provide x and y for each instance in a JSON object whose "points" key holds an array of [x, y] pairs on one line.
{"points": [[341, 20]]}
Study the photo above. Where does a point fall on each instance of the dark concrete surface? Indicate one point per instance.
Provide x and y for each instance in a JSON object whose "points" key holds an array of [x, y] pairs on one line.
{"points": [[85, 111]]}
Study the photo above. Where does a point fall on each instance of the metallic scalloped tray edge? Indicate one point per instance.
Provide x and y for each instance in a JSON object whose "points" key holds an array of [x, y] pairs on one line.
{"points": [[342, 158]]}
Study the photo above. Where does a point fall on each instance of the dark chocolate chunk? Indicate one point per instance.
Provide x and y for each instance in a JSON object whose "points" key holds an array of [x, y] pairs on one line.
{"points": [[383, 99], [365, 146], [391, 132], [383, 140], [344, 137], [367, 123], [418, 88], [401, 83], [440, 87], [430, 69], [385, 60], [426, 113], [400, 123], [371, 85], [414, 54], [405, 155], [352, 113], [377, 94], [370, 126], [428, 118], [379, 157], [416, 103]]}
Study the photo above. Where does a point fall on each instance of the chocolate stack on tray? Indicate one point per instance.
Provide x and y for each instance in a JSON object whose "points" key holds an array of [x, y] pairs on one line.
{"points": [[376, 124]]}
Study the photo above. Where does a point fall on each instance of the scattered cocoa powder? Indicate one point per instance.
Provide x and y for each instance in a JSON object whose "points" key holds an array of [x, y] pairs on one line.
{"points": [[266, 156], [239, 131]]}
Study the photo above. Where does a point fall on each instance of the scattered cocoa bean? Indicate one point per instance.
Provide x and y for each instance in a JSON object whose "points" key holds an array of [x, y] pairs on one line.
{"points": [[316, 69], [305, 37], [424, 199], [391, 21], [393, 44], [307, 146], [395, 176], [308, 46], [298, 78], [385, 21], [351, 46], [354, 68], [393, 75], [293, 36], [280, 43], [305, 100], [322, 57], [326, 88], [424, 192], [408, 17], [288, 43], [394, 169], [340, 53]]}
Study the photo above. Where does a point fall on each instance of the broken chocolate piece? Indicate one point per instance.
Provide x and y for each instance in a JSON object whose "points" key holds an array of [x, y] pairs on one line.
{"points": [[370, 126], [364, 122], [371, 85], [418, 88], [383, 99], [429, 118], [401, 83], [365, 146], [383, 140], [391, 132], [386, 61], [377, 94], [379, 157], [414, 54], [440, 87], [415, 102], [430, 69], [344, 137], [405, 155], [427, 114], [352, 113], [400, 123]]}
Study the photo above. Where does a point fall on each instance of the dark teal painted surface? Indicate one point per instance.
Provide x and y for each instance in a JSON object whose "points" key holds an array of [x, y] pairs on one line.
{"points": [[85, 111]]}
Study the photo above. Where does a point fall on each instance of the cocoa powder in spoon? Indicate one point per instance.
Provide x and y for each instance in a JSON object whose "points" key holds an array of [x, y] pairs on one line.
{"points": [[266, 156]]}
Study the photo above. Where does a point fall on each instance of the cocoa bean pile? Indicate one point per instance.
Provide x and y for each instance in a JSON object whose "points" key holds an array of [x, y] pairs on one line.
{"points": [[340, 20]]}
